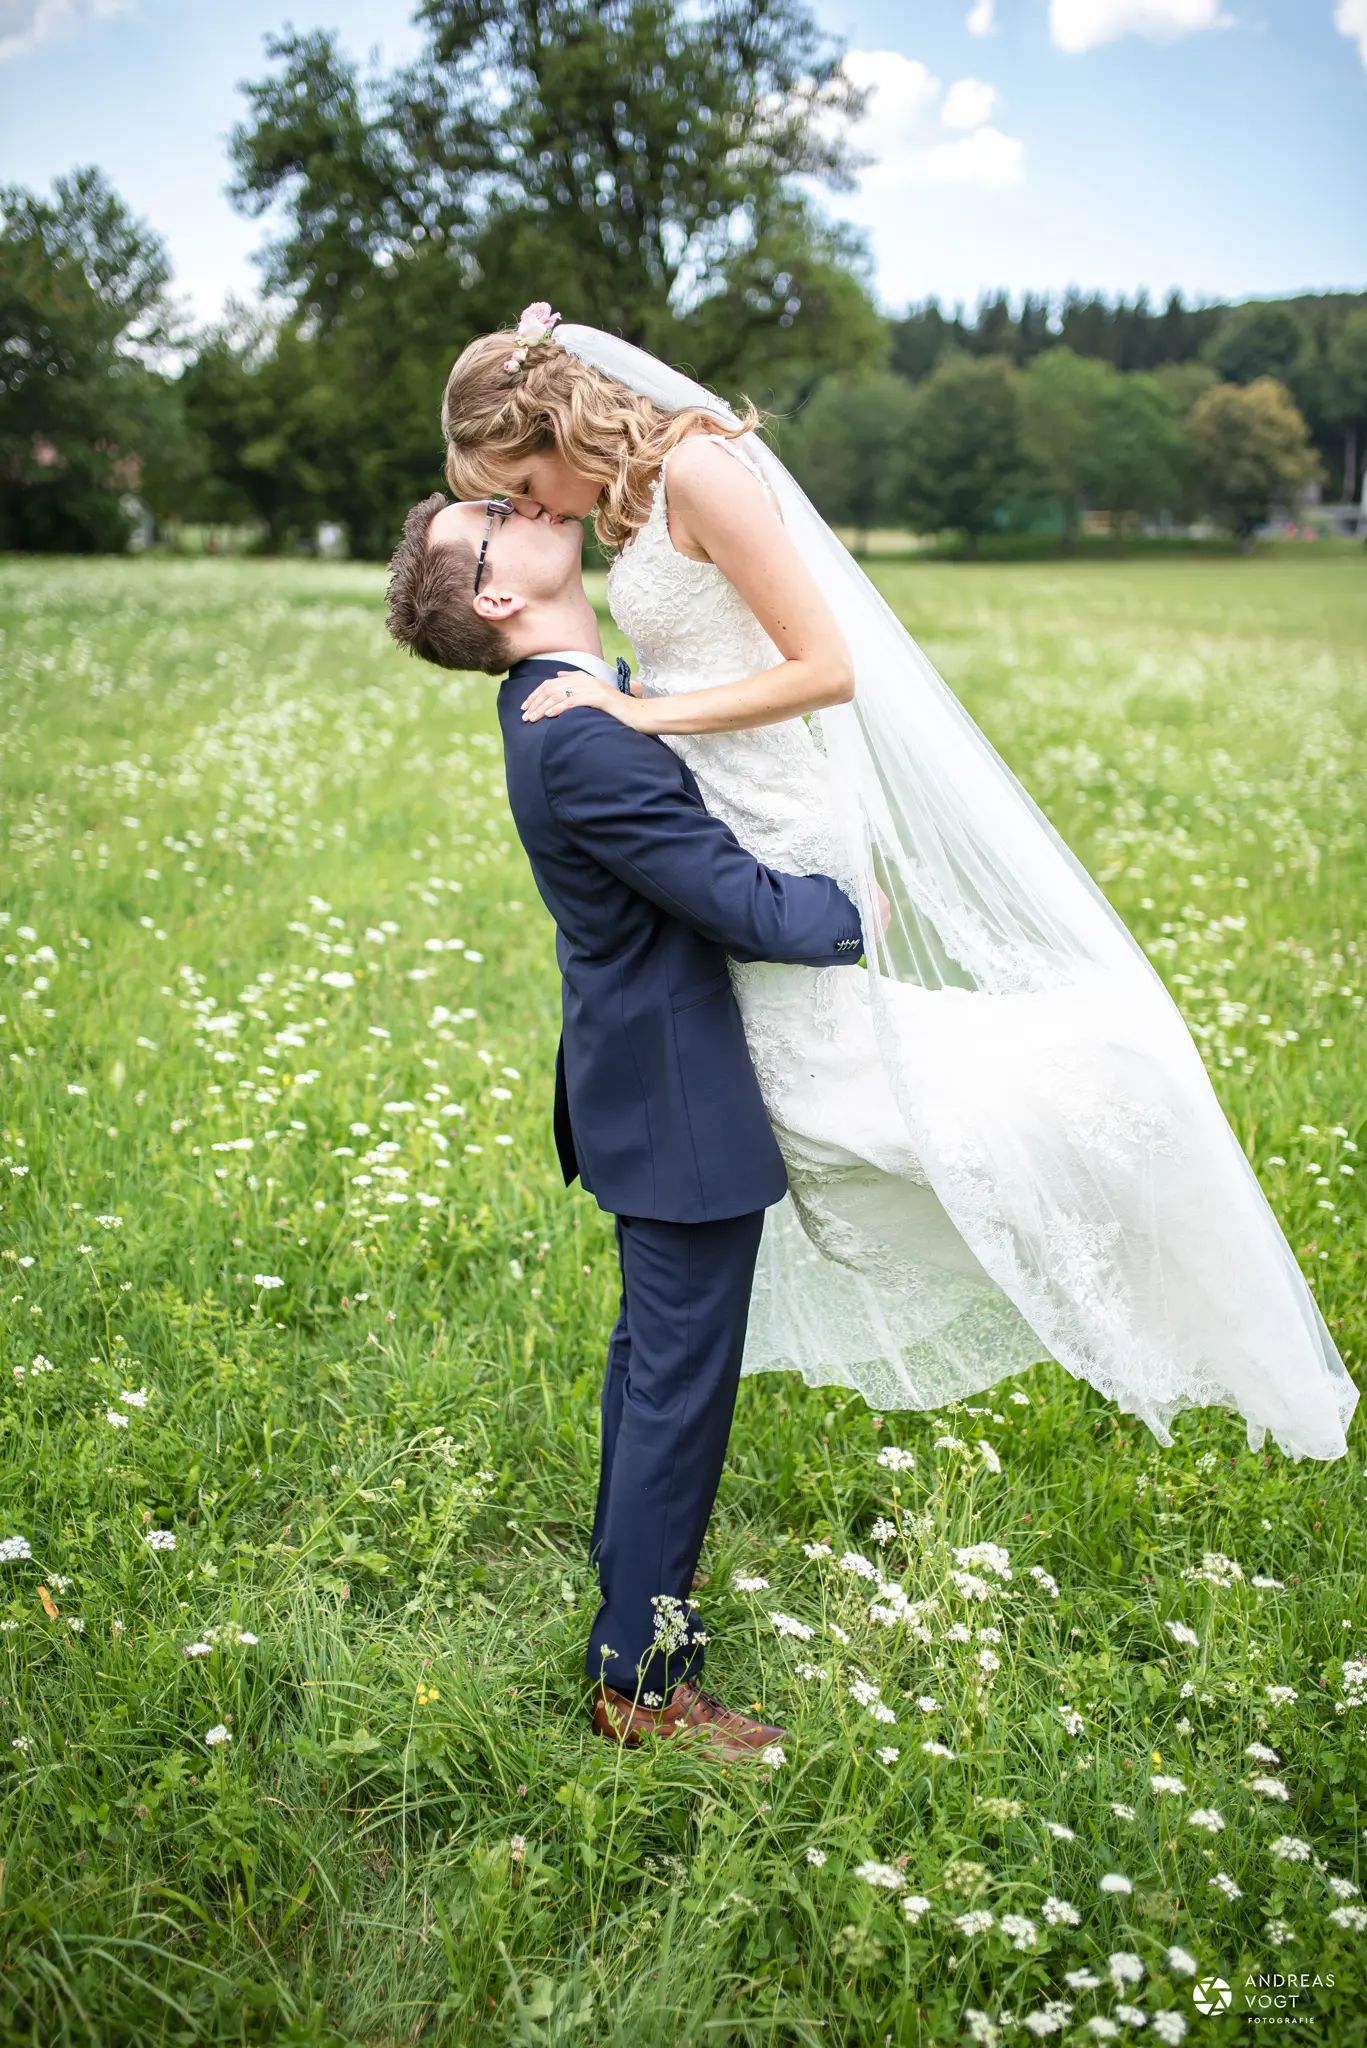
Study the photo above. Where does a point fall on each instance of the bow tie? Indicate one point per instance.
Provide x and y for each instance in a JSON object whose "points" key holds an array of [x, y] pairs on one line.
{"points": [[623, 674]]}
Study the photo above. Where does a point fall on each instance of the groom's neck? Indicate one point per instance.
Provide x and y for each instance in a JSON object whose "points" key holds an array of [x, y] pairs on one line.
{"points": [[567, 624]]}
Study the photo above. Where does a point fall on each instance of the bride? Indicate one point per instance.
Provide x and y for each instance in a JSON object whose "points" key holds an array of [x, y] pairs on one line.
{"points": [[1002, 1144]]}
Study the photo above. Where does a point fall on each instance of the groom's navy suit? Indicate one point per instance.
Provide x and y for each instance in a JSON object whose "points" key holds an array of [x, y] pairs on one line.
{"points": [[659, 1113]]}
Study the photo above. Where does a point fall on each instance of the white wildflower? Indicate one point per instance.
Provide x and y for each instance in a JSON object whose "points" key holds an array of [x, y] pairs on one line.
{"points": [[1271, 1788], [915, 1907], [1289, 1849], [1282, 1695], [887, 1755], [1021, 1932], [160, 1539], [266, 1281], [1051, 2018], [787, 1625], [1060, 1913], [1352, 1919], [882, 1876], [1042, 1578], [815, 1550], [772, 1754], [1222, 1882], [816, 1857], [217, 1735], [976, 1922], [1207, 1818], [937, 1749], [1170, 2027], [748, 1582], [1180, 1633], [1177, 1959], [1121, 1811], [13, 1549], [896, 1459], [1161, 1784], [854, 1561], [1126, 1968], [1261, 1754], [1116, 1881]]}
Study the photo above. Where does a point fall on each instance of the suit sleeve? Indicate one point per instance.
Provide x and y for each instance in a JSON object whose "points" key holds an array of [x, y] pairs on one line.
{"points": [[629, 802]]}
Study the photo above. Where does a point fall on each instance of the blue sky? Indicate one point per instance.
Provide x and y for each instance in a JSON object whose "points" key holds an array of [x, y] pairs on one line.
{"points": [[1216, 145]]}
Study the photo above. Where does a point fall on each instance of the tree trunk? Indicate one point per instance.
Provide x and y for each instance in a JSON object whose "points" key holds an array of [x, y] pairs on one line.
{"points": [[1350, 462]]}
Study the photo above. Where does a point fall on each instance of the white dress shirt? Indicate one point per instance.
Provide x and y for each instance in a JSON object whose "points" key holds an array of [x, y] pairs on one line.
{"points": [[591, 664]]}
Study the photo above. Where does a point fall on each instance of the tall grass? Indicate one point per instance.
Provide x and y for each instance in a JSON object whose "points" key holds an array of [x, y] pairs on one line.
{"points": [[302, 1341]]}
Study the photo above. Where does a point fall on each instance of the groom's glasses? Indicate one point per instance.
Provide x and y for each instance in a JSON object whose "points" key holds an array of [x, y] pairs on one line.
{"points": [[499, 508]]}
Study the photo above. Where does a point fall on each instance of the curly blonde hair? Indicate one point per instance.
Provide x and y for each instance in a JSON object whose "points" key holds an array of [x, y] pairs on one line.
{"points": [[495, 420]]}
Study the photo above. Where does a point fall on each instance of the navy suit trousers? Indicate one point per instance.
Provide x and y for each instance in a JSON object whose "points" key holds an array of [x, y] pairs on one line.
{"points": [[669, 1393]]}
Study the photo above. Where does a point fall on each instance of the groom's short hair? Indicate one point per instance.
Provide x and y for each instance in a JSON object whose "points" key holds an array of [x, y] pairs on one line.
{"points": [[430, 605]]}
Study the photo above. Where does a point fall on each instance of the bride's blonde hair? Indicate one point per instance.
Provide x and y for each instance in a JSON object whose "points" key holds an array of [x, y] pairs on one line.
{"points": [[496, 418]]}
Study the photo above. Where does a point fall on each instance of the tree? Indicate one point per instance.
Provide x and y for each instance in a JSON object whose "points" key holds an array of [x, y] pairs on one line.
{"points": [[847, 448], [1347, 368], [1260, 340], [648, 171], [1253, 450], [965, 448], [1063, 425], [1145, 450], [644, 162], [86, 417]]}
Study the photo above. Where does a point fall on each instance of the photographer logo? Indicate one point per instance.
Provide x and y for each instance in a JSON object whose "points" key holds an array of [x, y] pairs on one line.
{"points": [[1212, 1995]]}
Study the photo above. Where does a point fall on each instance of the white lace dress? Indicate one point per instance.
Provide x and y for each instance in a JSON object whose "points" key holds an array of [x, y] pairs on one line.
{"points": [[863, 1280]]}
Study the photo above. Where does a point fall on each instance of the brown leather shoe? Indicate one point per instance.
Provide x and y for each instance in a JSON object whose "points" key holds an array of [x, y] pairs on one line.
{"points": [[690, 1713]]}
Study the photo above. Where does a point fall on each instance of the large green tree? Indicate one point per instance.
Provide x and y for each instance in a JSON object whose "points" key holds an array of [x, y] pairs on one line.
{"points": [[1347, 381], [86, 415], [1253, 449], [643, 164], [847, 448], [965, 451]]}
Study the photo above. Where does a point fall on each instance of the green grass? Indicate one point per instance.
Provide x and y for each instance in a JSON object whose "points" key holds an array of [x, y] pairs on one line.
{"points": [[239, 826]]}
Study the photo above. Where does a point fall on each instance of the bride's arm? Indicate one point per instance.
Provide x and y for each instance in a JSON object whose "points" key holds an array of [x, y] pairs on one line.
{"points": [[719, 512]]}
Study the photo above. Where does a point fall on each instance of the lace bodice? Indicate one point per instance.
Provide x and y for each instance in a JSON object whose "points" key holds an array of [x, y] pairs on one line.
{"points": [[691, 628]]}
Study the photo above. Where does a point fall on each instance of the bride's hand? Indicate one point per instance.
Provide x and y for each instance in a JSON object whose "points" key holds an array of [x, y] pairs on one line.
{"points": [[562, 692]]}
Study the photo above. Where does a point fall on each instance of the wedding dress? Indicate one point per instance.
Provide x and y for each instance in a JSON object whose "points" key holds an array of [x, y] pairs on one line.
{"points": [[1001, 1141]]}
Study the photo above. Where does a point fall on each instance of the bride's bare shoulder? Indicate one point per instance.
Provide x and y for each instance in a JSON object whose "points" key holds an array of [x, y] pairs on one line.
{"points": [[702, 468]]}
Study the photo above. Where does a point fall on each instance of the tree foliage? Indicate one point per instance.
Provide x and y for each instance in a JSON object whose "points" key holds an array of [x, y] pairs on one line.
{"points": [[644, 164], [965, 452], [847, 448], [1253, 448], [85, 415]]}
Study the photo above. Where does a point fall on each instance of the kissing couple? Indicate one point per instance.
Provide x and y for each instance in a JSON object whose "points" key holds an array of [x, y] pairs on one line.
{"points": [[875, 1084]]}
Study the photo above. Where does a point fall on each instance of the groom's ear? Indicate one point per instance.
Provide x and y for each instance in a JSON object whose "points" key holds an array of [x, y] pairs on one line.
{"points": [[497, 606]]}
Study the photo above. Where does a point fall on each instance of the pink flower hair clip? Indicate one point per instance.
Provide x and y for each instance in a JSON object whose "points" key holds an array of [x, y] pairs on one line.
{"points": [[535, 323]]}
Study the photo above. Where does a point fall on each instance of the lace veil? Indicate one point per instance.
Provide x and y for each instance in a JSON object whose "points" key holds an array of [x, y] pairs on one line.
{"points": [[1059, 1106]]}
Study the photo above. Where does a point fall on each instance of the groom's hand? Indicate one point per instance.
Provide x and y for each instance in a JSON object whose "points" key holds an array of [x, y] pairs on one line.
{"points": [[884, 909], [562, 692]]}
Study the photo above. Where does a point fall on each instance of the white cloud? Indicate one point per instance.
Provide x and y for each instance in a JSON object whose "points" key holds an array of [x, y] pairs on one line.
{"points": [[1350, 19], [1085, 24], [969, 103], [24, 23], [915, 137], [980, 18]]}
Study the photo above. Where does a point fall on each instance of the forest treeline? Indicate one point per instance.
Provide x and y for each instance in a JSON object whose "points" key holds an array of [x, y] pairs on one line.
{"points": [[649, 168]]}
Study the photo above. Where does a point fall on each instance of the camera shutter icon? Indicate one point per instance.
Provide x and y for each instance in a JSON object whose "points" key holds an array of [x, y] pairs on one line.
{"points": [[1212, 1995]]}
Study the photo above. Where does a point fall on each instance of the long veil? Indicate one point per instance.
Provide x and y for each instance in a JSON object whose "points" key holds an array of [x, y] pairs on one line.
{"points": [[1058, 1104]]}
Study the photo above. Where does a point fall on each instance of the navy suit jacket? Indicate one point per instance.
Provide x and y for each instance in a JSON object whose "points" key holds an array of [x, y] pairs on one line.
{"points": [[657, 1106]]}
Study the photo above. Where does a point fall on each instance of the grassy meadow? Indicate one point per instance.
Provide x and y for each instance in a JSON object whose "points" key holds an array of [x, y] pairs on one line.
{"points": [[302, 1346]]}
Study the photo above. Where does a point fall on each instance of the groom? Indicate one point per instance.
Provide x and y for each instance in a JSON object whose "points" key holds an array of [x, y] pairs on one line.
{"points": [[657, 1108]]}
